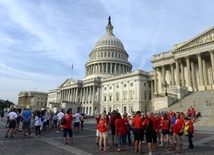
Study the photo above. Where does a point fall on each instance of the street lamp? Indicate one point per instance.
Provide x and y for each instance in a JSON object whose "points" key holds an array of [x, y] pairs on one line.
{"points": [[165, 85]]}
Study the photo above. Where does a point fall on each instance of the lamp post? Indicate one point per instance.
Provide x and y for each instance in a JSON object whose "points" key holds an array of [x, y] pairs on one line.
{"points": [[165, 85]]}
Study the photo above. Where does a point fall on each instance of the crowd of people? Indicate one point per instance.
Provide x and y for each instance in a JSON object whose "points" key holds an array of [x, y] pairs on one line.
{"points": [[160, 129], [148, 129], [42, 121]]}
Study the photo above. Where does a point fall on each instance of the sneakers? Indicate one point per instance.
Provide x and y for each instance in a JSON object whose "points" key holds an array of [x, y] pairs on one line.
{"points": [[161, 145], [150, 153]]}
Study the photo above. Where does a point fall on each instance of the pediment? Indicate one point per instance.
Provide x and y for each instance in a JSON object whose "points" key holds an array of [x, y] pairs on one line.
{"points": [[203, 38], [68, 82]]}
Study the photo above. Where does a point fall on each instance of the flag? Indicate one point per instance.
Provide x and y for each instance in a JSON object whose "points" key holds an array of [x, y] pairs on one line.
{"points": [[72, 67]]}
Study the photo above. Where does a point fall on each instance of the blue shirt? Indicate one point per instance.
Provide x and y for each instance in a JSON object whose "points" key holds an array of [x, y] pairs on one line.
{"points": [[27, 114]]}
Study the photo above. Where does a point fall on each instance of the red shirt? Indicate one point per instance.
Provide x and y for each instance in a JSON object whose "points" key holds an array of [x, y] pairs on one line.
{"points": [[155, 123], [179, 124], [102, 125], [120, 125], [191, 127], [68, 121], [165, 124], [137, 122]]}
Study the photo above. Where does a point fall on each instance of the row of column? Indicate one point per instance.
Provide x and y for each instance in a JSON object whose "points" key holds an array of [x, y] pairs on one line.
{"points": [[191, 73], [112, 68], [86, 94]]}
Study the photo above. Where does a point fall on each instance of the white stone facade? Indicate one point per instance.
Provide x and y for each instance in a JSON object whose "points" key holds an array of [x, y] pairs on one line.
{"points": [[33, 100]]}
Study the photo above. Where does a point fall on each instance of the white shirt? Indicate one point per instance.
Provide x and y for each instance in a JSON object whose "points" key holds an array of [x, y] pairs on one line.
{"points": [[77, 117], [37, 121], [60, 115], [12, 115]]}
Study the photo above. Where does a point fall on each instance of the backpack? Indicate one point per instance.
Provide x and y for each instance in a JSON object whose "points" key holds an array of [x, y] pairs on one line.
{"points": [[63, 120]]}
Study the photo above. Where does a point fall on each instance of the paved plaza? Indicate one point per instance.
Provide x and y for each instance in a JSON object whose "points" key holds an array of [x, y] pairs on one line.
{"points": [[84, 143]]}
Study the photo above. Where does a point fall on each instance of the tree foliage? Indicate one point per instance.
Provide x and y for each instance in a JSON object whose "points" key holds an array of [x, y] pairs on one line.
{"points": [[5, 104]]}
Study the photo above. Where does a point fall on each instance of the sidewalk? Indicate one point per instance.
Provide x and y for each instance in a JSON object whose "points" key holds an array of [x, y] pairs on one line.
{"points": [[51, 143]]}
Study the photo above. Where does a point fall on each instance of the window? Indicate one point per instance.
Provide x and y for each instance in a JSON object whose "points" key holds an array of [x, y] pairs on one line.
{"points": [[109, 97], [131, 84], [124, 85], [131, 94], [124, 95], [117, 96], [104, 98], [110, 87]]}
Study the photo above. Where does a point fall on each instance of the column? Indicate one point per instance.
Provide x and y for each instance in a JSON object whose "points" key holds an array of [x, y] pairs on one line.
{"points": [[200, 70], [204, 72], [163, 74], [163, 78], [189, 84], [89, 94], [182, 74], [83, 96], [172, 74], [110, 68], [212, 64], [193, 75], [155, 81], [93, 94], [177, 72], [106, 67], [76, 97]]}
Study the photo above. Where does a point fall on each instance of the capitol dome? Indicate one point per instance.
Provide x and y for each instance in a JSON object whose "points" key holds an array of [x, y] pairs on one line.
{"points": [[108, 56]]}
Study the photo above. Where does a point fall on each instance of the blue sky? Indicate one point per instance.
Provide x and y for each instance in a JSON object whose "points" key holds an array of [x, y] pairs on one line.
{"points": [[41, 39]]}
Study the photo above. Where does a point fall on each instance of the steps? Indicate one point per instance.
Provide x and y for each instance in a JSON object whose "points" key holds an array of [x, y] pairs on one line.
{"points": [[201, 101]]}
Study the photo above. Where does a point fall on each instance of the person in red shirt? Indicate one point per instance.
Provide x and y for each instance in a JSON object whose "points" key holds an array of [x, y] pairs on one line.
{"points": [[127, 125], [178, 130], [189, 123], [112, 124], [152, 125], [103, 127], [67, 126], [137, 123], [165, 125], [97, 131], [120, 131]]}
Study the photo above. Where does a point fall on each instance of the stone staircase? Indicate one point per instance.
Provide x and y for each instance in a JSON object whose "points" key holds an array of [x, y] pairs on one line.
{"points": [[202, 101]]}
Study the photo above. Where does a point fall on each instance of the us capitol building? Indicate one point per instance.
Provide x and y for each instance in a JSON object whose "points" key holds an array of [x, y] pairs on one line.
{"points": [[110, 84]]}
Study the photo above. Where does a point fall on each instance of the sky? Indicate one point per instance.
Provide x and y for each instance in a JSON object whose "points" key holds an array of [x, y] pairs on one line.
{"points": [[41, 39]]}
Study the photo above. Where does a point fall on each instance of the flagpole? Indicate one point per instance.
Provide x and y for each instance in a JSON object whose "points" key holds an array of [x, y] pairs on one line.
{"points": [[72, 71]]}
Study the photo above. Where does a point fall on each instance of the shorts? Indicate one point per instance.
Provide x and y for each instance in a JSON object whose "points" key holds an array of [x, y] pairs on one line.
{"points": [[69, 131], [25, 125], [165, 132], [76, 124], [113, 129], [103, 135], [138, 134], [12, 124], [151, 136]]}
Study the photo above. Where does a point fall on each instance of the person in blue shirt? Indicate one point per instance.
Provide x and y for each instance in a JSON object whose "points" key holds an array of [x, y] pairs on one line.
{"points": [[26, 115]]}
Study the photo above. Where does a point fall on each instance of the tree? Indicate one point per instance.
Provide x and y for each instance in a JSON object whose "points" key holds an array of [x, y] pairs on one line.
{"points": [[5, 104]]}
